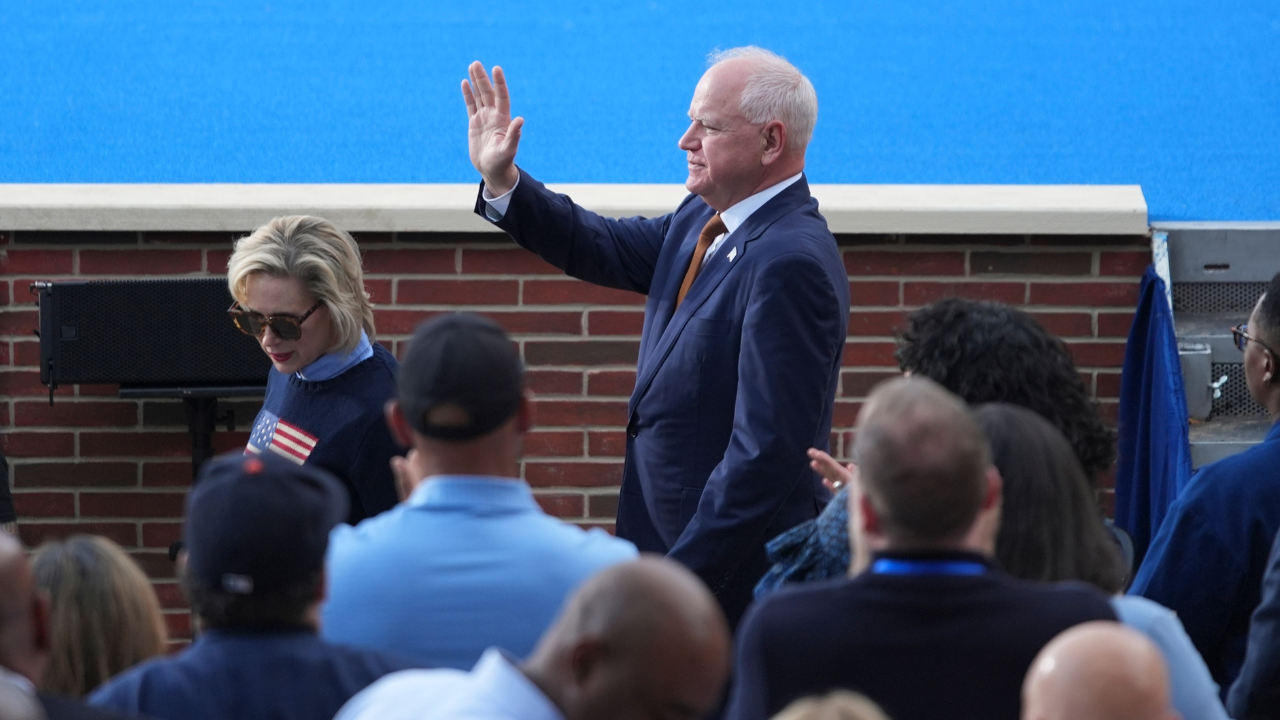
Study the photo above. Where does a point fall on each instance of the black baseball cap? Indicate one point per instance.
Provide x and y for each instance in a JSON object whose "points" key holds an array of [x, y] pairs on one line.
{"points": [[461, 377], [257, 524]]}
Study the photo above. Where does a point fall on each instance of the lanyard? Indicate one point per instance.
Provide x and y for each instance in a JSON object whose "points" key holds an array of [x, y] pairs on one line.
{"points": [[887, 566]]}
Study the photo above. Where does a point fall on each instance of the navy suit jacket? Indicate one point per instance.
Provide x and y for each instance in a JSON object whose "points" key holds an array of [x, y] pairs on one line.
{"points": [[732, 387], [1255, 695]]}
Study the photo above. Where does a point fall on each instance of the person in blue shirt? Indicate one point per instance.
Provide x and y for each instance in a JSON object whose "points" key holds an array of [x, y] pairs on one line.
{"points": [[469, 561], [299, 290], [256, 533], [1207, 560]]}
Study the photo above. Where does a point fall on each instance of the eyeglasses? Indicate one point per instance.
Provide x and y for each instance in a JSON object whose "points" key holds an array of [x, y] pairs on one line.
{"points": [[286, 327], [1240, 334]]}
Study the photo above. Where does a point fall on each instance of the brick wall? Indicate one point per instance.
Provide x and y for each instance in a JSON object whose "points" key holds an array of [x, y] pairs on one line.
{"points": [[95, 463]]}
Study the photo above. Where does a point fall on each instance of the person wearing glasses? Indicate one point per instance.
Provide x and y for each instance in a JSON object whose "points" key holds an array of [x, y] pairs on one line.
{"points": [[299, 289], [1207, 560]]}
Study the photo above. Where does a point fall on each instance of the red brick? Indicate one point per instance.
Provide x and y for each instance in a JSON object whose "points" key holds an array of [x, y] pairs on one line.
{"points": [[80, 414], [75, 475], [379, 291], [5, 353], [514, 261], [1114, 324], [215, 261], [602, 506], [923, 293], [863, 323], [35, 262], [1107, 503], [457, 292], [401, 322], [554, 382], [26, 354], [872, 292], [1066, 324], [4, 416], [403, 261], [131, 504], [845, 413], [156, 564], [1030, 263], [123, 534], [4, 292], [581, 352], [170, 595], [38, 444], [858, 383], [140, 262], [606, 444], [97, 390], [178, 624], [44, 504], [562, 505], [615, 322], [1108, 385], [228, 441], [160, 534], [879, 262], [21, 322], [528, 323], [869, 354], [1089, 294], [1107, 478], [1097, 354], [1124, 263], [1110, 411], [135, 444], [26, 383], [553, 443], [575, 292], [576, 474], [166, 474], [612, 383], [570, 413]]}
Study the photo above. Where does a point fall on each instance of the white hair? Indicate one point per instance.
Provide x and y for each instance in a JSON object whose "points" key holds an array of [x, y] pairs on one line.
{"points": [[776, 90]]}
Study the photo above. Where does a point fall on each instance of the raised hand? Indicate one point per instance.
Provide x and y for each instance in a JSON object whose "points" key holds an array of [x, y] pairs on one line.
{"points": [[492, 136], [834, 475]]}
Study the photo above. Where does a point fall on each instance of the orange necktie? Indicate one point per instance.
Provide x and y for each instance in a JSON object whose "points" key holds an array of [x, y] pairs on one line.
{"points": [[712, 230]]}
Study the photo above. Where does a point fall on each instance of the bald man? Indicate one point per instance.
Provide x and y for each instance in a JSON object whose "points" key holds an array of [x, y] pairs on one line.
{"points": [[25, 642], [1098, 671], [643, 636]]}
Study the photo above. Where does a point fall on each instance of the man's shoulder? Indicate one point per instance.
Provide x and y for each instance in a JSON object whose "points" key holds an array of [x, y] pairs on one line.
{"points": [[1252, 473], [406, 694]]}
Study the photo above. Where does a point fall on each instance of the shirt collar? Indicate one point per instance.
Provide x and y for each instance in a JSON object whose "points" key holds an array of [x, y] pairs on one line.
{"points": [[738, 214], [497, 678], [331, 365], [472, 492], [19, 681]]}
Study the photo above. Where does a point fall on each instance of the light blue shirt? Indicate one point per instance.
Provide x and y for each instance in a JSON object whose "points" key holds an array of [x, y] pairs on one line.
{"points": [[331, 365], [466, 563], [1195, 694], [495, 689]]}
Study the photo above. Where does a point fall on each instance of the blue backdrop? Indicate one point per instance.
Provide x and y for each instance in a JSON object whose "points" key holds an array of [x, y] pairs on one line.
{"points": [[1180, 97]]}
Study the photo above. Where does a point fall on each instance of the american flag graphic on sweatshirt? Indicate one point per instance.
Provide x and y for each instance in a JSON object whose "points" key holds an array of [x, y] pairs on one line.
{"points": [[280, 437]]}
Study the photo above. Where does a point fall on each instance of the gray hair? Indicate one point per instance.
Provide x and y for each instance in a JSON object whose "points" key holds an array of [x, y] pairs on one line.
{"points": [[777, 90]]}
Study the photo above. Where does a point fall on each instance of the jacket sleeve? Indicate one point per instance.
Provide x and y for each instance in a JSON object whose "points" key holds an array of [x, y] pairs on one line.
{"points": [[1256, 691]]}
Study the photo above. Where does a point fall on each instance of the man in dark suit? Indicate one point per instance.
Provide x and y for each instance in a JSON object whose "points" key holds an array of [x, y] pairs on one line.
{"points": [[932, 629], [748, 303]]}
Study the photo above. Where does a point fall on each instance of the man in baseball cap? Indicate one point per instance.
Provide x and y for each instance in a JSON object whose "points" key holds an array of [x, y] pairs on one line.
{"points": [[257, 529], [469, 560]]}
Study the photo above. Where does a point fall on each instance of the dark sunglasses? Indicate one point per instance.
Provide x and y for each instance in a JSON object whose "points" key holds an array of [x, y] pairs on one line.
{"points": [[1240, 334], [286, 327]]}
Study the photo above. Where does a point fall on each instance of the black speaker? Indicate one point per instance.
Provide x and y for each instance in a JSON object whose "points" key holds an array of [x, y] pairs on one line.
{"points": [[145, 333]]}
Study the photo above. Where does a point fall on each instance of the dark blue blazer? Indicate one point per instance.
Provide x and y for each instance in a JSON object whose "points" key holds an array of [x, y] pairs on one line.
{"points": [[1256, 692], [732, 388]]}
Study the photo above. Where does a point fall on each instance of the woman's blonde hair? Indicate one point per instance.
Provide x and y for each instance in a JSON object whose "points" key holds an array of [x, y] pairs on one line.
{"points": [[835, 705], [104, 615], [316, 252]]}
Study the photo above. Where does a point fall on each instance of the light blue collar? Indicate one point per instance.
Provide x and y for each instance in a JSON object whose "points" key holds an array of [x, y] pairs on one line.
{"points": [[473, 492], [497, 679], [331, 365]]}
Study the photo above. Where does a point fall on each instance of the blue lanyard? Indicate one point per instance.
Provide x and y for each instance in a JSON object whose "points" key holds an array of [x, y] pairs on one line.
{"points": [[887, 566]]}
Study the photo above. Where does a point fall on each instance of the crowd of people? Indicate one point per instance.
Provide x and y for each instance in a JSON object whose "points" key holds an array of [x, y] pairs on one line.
{"points": [[374, 552]]}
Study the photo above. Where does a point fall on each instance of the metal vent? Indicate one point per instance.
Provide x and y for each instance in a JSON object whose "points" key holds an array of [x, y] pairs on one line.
{"points": [[1210, 297], [1235, 400]]}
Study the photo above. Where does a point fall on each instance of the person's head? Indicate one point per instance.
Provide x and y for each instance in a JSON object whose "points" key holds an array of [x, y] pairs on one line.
{"points": [[990, 352], [105, 617], [641, 640], [25, 645], [1098, 671], [750, 121], [835, 705], [922, 465], [257, 528], [1050, 528], [1261, 361], [461, 399], [295, 267]]}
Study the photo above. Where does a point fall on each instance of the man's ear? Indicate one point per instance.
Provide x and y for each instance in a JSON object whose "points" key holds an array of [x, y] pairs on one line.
{"points": [[585, 659], [773, 138], [524, 412], [41, 634], [995, 488], [871, 521], [397, 424]]}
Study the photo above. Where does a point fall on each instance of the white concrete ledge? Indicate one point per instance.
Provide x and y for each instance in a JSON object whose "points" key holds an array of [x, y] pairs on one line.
{"points": [[960, 209]]}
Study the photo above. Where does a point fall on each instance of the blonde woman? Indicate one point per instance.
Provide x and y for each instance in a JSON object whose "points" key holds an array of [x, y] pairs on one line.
{"points": [[104, 616], [299, 290]]}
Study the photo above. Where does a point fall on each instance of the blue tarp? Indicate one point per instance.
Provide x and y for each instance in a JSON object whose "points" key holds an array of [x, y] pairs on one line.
{"points": [[1155, 453]]}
